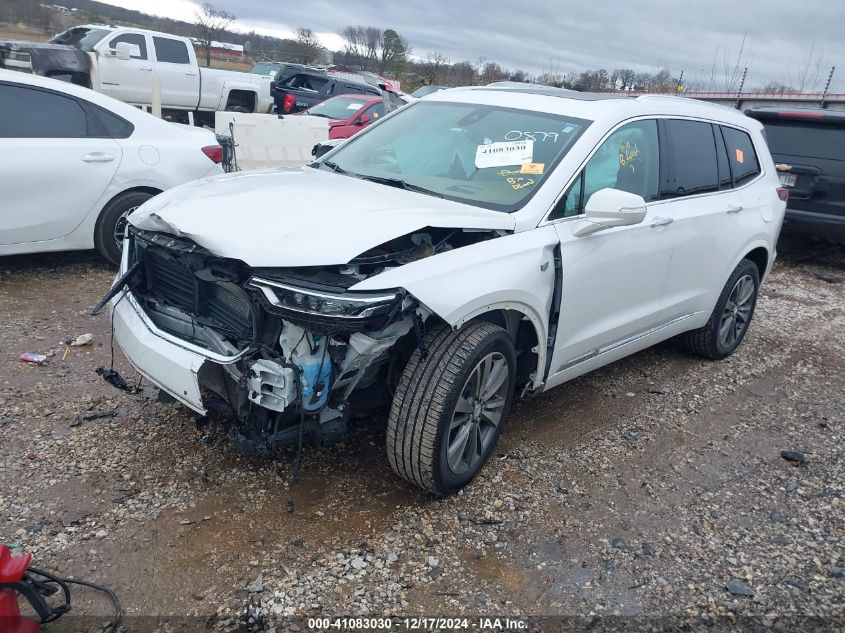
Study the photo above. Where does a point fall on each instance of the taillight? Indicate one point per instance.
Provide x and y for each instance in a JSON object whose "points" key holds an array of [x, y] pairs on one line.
{"points": [[783, 193], [214, 152], [287, 102]]}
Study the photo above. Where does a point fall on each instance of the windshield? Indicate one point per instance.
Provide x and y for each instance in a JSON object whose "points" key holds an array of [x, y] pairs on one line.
{"points": [[337, 107], [82, 37], [487, 156], [425, 90], [269, 69]]}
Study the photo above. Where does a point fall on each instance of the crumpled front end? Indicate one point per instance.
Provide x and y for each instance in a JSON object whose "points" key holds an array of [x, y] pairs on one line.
{"points": [[280, 351]]}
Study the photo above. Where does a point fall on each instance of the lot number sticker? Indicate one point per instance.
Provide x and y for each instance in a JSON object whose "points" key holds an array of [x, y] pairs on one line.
{"points": [[504, 153]]}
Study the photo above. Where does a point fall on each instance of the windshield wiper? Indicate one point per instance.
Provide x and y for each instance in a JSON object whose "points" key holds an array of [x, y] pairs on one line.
{"points": [[401, 184], [335, 167]]}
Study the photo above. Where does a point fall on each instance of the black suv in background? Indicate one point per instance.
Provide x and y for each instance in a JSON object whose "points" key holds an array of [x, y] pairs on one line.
{"points": [[808, 146], [305, 88]]}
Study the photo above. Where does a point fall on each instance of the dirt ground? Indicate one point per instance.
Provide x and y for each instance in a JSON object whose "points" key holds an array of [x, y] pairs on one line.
{"points": [[650, 491]]}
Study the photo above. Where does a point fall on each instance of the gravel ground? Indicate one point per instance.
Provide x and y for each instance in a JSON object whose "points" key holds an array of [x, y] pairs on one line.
{"points": [[648, 493]]}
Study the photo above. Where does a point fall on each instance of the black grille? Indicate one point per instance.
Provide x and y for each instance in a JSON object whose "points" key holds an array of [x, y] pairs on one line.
{"points": [[170, 279]]}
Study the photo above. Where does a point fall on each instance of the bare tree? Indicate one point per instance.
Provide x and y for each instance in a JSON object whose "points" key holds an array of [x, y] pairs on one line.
{"points": [[210, 25], [491, 72], [308, 47], [809, 73], [433, 66]]}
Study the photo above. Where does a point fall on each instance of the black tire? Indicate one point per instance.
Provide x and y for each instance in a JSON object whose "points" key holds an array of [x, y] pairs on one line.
{"points": [[706, 341], [107, 223], [426, 398], [238, 108]]}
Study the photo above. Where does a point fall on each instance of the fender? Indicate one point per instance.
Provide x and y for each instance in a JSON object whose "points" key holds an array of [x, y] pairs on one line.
{"points": [[514, 272]]}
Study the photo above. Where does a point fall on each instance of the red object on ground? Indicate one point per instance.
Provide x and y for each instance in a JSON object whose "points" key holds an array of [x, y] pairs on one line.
{"points": [[12, 570]]}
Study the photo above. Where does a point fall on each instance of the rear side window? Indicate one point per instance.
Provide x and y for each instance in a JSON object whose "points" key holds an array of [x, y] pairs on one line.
{"points": [[171, 51], [808, 140], [692, 158], [306, 82], [741, 155], [137, 42], [31, 113]]}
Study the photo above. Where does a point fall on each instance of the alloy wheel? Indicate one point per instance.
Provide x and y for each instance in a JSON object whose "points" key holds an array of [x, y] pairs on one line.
{"points": [[477, 413], [737, 312]]}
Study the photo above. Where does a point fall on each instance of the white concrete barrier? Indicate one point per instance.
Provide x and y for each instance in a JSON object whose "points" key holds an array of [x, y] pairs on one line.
{"points": [[265, 140]]}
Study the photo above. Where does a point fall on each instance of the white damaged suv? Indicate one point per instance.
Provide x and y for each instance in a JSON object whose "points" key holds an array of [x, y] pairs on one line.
{"points": [[478, 245]]}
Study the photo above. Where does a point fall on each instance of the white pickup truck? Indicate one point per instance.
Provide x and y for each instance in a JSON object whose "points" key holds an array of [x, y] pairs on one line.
{"points": [[123, 61]]}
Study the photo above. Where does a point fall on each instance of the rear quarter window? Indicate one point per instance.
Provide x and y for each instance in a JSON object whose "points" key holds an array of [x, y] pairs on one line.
{"points": [[743, 159]]}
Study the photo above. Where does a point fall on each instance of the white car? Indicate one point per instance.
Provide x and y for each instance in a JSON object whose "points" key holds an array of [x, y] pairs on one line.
{"points": [[77, 162], [477, 245]]}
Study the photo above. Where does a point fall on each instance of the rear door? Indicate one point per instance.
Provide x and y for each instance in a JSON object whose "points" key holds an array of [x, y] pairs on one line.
{"points": [[180, 80], [59, 163], [129, 80], [710, 216]]}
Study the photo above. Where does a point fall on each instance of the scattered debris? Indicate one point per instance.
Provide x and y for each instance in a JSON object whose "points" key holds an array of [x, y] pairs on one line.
{"points": [[739, 588], [113, 377], [257, 585], [32, 358], [82, 339], [796, 457]]}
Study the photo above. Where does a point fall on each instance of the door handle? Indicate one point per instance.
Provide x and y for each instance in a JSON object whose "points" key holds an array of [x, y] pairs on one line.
{"points": [[147, 68], [98, 157], [191, 74], [662, 221], [735, 209]]}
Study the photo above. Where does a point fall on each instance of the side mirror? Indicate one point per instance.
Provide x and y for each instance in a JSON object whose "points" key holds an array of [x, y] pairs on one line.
{"points": [[608, 208], [364, 119], [123, 50]]}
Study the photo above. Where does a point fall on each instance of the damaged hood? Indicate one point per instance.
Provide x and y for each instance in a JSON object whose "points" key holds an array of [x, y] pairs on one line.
{"points": [[301, 216]]}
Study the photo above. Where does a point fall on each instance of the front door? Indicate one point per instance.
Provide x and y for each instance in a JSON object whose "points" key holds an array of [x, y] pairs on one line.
{"points": [[129, 80], [613, 280]]}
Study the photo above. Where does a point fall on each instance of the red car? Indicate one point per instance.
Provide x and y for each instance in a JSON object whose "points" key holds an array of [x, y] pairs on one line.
{"points": [[348, 114]]}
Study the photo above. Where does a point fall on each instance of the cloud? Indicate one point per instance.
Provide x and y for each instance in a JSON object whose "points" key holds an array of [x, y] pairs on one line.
{"points": [[694, 36]]}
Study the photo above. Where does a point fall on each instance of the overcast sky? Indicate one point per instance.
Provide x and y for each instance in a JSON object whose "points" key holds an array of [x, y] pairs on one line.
{"points": [[571, 36]]}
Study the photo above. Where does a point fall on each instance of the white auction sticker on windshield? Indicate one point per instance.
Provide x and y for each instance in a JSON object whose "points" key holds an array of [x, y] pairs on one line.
{"points": [[504, 153]]}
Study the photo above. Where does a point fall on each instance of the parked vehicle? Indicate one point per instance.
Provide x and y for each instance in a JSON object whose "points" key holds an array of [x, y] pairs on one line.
{"points": [[123, 60], [426, 90], [78, 162], [348, 114], [808, 145], [307, 88], [478, 245], [267, 69]]}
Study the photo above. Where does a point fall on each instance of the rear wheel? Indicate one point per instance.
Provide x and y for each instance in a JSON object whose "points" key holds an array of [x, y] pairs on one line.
{"points": [[111, 225], [449, 408], [238, 108], [729, 322]]}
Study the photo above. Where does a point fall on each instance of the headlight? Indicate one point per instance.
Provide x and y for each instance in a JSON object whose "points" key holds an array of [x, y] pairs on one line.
{"points": [[304, 301]]}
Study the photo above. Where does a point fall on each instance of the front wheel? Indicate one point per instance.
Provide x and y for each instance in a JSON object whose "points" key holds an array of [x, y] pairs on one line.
{"points": [[449, 408], [729, 322]]}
